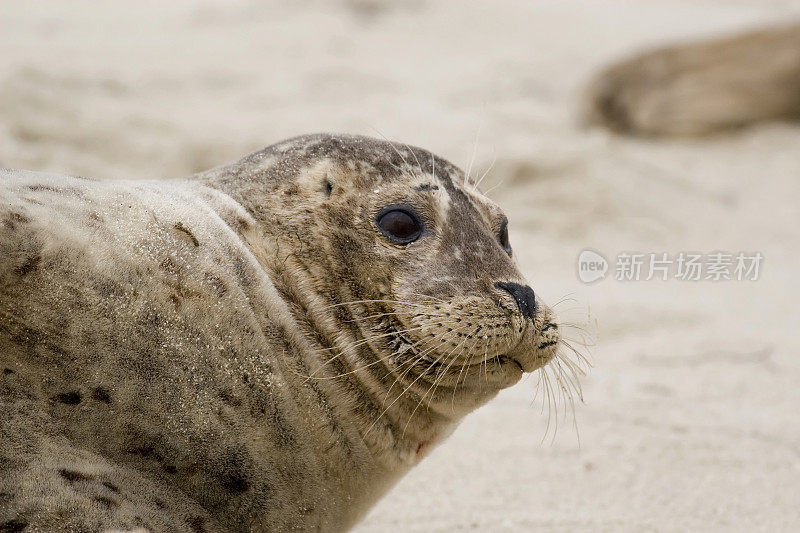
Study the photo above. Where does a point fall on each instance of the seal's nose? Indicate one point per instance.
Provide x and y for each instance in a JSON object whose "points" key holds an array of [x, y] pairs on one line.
{"points": [[523, 295]]}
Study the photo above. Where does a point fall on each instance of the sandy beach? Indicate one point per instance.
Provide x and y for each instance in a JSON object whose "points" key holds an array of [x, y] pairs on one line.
{"points": [[689, 420]]}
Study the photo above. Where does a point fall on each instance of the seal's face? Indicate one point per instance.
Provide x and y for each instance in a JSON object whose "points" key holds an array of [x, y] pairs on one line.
{"points": [[421, 263], [460, 300]]}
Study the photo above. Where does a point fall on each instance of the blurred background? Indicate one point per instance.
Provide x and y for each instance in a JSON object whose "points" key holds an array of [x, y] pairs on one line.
{"points": [[690, 418]]}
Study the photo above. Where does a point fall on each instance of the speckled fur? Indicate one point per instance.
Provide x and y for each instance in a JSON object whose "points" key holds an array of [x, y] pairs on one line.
{"points": [[157, 338]]}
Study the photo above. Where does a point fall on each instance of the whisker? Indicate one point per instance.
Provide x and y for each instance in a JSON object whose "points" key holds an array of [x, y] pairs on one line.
{"points": [[405, 390], [419, 165], [472, 158], [433, 386], [572, 378], [577, 353], [362, 342], [564, 299], [420, 357], [458, 379], [391, 143], [390, 313], [486, 172], [549, 406], [380, 359], [340, 304]]}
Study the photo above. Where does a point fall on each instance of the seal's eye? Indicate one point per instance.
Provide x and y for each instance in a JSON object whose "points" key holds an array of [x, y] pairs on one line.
{"points": [[502, 236], [399, 224]]}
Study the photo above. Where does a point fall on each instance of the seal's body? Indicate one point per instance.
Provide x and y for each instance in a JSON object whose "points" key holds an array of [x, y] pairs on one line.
{"points": [[701, 87], [267, 346]]}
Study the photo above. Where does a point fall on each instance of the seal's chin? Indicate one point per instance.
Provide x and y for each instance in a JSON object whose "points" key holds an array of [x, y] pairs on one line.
{"points": [[528, 364], [524, 365], [507, 370], [510, 363], [536, 348]]}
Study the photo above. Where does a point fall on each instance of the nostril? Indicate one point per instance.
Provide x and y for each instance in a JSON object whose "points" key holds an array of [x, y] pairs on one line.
{"points": [[522, 294]]}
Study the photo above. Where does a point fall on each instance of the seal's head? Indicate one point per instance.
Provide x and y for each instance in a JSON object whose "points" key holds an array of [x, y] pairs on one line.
{"points": [[400, 266]]}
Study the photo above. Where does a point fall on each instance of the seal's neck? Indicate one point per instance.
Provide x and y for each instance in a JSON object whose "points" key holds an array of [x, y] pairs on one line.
{"points": [[371, 420], [357, 358]]}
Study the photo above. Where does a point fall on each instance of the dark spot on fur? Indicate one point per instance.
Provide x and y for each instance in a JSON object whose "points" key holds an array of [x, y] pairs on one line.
{"points": [[74, 191], [283, 432], [13, 526], [327, 187], [426, 187], [180, 227], [160, 503], [152, 319], [242, 224], [73, 476], [101, 394], [196, 523], [110, 486], [108, 288], [55, 348], [43, 188], [106, 502], [235, 483], [229, 398], [12, 219], [240, 268], [149, 452], [233, 476], [169, 265], [7, 371], [69, 398], [30, 264], [216, 283]]}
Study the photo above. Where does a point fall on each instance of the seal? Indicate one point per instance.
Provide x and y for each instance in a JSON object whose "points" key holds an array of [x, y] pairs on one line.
{"points": [[700, 88], [266, 346]]}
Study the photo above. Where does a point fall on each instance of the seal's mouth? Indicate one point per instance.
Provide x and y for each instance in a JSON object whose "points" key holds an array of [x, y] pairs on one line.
{"points": [[527, 365], [519, 359], [532, 354], [401, 346], [510, 361]]}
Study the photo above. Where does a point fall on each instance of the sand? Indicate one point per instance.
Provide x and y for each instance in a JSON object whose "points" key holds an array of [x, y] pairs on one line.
{"points": [[690, 420]]}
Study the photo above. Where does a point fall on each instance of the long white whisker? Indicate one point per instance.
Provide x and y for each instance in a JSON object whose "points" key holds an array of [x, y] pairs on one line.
{"points": [[361, 343], [472, 158], [485, 173]]}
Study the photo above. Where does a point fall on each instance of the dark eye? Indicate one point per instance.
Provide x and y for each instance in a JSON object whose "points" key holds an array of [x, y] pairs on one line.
{"points": [[399, 224], [502, 236]]}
